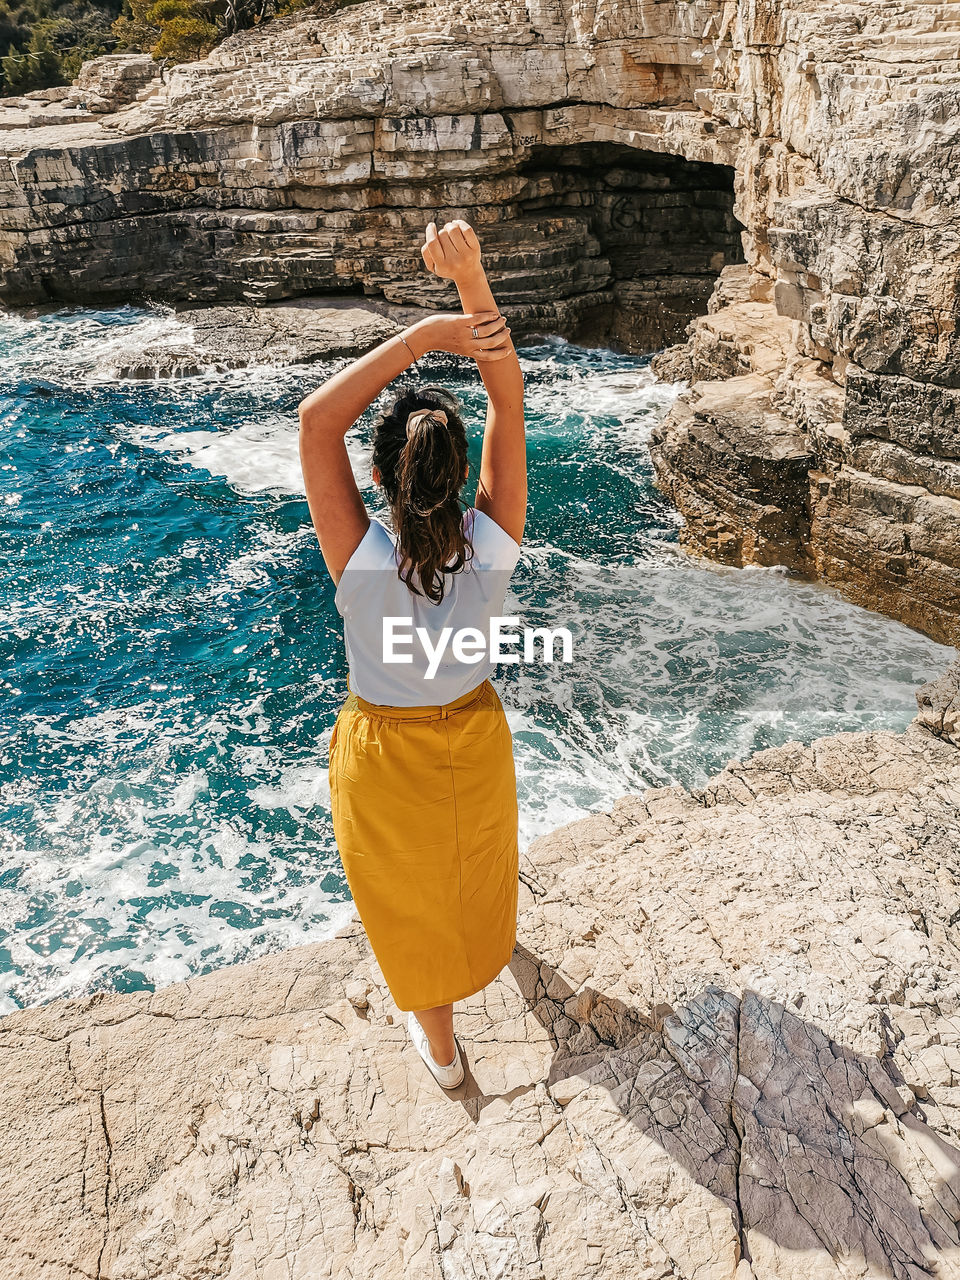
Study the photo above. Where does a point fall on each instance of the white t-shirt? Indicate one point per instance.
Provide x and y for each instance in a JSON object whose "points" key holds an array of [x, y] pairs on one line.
{"points": [[369, 590]]}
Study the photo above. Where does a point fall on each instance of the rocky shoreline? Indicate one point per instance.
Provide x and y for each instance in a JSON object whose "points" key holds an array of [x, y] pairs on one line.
{"points": [[770, 172], [727, 1047], [771, 463], [294, 332]]}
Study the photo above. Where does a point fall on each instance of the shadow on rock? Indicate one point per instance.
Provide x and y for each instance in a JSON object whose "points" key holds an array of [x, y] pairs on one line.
{"points": [[815, 1149]]}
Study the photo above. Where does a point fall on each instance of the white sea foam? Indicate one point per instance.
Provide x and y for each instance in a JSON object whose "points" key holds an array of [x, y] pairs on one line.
{"points": [[140, 866], [260, 457], [157, 868], [76, 345]]}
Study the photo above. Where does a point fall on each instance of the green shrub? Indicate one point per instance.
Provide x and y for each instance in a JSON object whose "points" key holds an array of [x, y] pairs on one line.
{"points": [[47, 41], [37, 66], [185, 39]]}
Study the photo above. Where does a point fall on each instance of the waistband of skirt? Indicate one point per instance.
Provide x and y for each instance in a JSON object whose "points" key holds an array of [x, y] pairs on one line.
{"points": [[438, 712]]}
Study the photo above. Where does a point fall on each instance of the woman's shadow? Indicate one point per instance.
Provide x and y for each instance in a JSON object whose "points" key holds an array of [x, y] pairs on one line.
{"points": [[810, 1144]]}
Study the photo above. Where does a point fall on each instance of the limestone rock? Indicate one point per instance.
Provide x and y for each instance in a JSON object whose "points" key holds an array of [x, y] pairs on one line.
{"points": [[875, 494], [114, 81], [20, 117], [939, 703], [616, 160], [56, 93], [282, 333], [748, 504], [295, 331], [727, 1045]]}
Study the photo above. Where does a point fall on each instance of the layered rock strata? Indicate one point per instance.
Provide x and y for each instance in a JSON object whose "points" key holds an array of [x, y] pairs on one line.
{"points": [[727, 1047], [773, 461], [307, 159], [305, 215], [615, 159]]}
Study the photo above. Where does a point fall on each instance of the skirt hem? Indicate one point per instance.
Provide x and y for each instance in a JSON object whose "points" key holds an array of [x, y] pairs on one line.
{"points": [[464, 995]]}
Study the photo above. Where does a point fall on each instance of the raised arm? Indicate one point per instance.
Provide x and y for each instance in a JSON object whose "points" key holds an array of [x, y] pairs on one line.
{"points": [[327, 414], [454, 253]]}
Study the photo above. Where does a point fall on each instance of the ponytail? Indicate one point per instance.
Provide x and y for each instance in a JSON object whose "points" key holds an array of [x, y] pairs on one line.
{"points": [[420, 450]]}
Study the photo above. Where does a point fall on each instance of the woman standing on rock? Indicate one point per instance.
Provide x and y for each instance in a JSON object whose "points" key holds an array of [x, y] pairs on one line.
{"points": [[422, 780]]}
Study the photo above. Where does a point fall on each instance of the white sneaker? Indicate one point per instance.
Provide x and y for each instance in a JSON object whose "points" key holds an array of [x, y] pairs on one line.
{"points": [[449, 1076]]}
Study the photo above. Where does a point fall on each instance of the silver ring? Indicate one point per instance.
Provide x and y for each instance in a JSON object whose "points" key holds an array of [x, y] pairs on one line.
{"points": [[474, 332]]}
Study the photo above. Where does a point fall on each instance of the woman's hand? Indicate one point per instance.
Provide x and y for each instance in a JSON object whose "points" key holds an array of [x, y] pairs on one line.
{"points": [[453, 252], [481, 335]]}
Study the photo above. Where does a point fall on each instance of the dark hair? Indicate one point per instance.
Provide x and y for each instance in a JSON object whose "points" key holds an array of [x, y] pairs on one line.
{"points": [[422, 477]]}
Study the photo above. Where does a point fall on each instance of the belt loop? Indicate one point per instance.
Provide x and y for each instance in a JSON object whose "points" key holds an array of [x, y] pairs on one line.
{"points": [[444, 712]]}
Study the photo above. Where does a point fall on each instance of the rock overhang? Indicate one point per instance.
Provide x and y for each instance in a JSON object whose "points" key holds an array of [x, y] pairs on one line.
{"points": [[293, 153]]}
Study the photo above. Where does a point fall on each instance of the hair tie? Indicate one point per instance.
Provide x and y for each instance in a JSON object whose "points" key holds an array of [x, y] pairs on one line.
{"points": [[417, 416]]}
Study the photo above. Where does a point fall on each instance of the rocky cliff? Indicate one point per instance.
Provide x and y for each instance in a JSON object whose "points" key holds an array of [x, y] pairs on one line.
{"points": [[726, 1047], [307, 158], [616, 159]]}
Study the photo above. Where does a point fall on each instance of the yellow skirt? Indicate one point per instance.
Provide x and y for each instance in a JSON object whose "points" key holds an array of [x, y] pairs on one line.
{"points": [[424, 804]]}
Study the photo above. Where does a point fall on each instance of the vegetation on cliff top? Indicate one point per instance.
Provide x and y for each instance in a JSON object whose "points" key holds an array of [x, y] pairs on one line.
{"points": [[47, 41]]}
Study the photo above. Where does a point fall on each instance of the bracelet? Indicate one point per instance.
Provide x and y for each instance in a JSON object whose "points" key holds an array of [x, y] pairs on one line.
{"points": [[409, 348]]}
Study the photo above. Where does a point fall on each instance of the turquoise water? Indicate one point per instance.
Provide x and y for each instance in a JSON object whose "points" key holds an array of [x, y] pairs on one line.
{"points": [[173, 661]]}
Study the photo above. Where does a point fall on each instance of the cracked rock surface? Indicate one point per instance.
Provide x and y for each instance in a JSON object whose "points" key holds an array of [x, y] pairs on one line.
{"points": [[726, 1047]]}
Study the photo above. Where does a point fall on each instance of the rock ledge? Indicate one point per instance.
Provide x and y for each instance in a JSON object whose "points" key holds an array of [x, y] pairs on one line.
{"points": [[727, 1047]]}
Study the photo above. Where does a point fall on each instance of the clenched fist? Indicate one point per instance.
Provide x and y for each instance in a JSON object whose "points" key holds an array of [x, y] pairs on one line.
{"points": [[453, 252]]}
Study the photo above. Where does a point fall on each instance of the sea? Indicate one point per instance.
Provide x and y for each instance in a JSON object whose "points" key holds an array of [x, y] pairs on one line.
{"points": [[172, 661]]}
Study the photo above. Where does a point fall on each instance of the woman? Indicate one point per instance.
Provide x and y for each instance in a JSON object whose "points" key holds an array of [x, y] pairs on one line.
{"points": [[422, 780]]}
